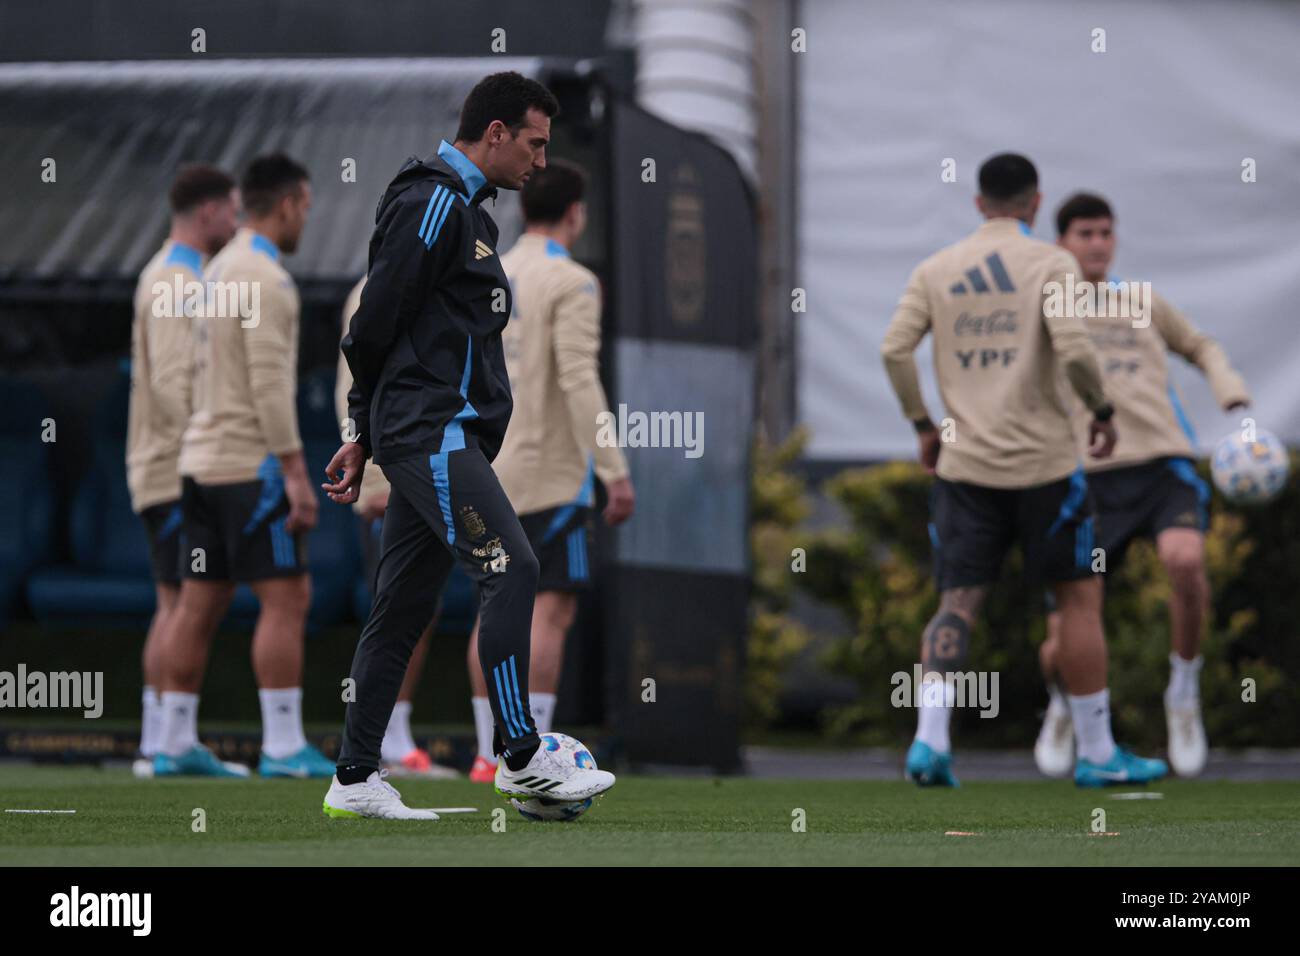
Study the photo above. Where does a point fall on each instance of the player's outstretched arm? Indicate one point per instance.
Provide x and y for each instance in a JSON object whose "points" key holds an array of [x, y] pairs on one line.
{"points": [[1204, 352]]}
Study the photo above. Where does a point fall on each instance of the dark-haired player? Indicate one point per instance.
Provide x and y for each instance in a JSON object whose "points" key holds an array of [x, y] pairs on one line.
{"points": [[550, 456], [1149, 488], [430, 401], [246, 501], [204, 215], [1006, 469]]}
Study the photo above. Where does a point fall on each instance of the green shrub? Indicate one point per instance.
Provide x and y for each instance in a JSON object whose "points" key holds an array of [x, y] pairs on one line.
{"points": [[779, 505], [876, 571]]}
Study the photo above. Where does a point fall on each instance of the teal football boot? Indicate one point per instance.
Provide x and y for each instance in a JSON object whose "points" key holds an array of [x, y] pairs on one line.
{"points": [[928, 767], [307, 762], [198, 761], [1123, 767]]}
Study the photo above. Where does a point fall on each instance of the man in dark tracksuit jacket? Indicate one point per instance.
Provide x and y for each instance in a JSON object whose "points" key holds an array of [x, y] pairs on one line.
{"points": [[430, 403]]}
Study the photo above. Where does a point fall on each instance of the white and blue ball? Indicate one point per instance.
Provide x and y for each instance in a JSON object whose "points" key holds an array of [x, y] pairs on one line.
{"points": [[1250, 472], [542, 808]]}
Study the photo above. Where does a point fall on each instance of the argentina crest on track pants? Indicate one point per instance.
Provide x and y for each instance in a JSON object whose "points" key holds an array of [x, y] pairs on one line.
{"points": [[444, 508]]}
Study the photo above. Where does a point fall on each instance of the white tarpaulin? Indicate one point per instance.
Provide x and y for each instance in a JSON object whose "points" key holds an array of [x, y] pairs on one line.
{"points": [[1160, 124]]}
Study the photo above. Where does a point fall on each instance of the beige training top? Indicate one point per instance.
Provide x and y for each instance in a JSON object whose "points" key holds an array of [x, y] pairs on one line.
{"points": [[1148, 413], [245, 365], [552, 347], [160, 374], [373, 481], [996, 356]]}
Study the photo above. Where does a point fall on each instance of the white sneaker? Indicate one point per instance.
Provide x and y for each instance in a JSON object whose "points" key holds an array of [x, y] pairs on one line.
{"points": [[1054, 749], [373, 798], [1187, 746], [553, 777]]}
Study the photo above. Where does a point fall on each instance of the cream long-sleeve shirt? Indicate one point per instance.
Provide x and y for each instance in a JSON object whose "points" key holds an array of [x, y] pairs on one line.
{"points": [[552, 347], [161, 362], [245, 365], [997, 355], [1135, 370]]}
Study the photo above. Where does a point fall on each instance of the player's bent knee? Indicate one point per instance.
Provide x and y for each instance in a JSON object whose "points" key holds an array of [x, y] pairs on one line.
{"points": [[1185, 565], [287, 597], [557, 608], [1083, 593], [296, 595], [525, 568]]}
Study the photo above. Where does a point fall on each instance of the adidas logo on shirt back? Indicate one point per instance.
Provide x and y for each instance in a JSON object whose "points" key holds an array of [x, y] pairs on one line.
{"points": [[481, 250], [979, 284]]}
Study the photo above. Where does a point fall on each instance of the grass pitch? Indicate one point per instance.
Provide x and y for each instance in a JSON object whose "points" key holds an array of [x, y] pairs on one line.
{"points": [[648, 821]]}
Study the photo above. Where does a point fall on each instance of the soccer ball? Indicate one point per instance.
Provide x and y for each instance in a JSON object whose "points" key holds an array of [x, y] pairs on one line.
{"points": [[541, 808], [1250, 473]]}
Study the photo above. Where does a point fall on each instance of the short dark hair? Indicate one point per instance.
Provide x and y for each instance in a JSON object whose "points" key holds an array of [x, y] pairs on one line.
{"points": [[268, 179], [506, 97], [550, 192], [195, 184], [1081, 206], [1007, 177]]}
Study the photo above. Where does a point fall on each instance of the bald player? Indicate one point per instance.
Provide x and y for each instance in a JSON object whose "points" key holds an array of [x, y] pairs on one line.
{"points": [[204, 213], [398, 751], [1149, 488], [550, 454], [1007, 468], [246, 501]]}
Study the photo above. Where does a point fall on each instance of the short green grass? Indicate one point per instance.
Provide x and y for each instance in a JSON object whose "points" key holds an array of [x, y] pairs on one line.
{"points": [[647, 821]]}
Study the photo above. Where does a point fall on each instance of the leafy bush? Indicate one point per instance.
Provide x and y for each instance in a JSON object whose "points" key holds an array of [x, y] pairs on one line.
{"points": [[876, 570], [779, 505]]}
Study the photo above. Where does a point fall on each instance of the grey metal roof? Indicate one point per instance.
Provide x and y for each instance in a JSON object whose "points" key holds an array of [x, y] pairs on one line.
{"points": [[118, 131]]}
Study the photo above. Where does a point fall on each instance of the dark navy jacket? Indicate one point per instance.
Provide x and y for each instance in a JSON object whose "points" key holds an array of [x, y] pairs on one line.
{"points": [[424, 346]]}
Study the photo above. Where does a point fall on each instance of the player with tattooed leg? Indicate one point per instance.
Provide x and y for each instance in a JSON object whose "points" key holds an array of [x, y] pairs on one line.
{"points": [[1007, 470]]}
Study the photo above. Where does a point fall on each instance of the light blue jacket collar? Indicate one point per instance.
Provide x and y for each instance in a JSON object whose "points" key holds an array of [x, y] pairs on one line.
{"points": [[264, 245], [187, 256], [469, 173]]}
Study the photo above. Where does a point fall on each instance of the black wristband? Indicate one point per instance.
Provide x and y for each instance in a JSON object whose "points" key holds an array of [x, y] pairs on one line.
{"points": [[1105, 413], [923, 425]]}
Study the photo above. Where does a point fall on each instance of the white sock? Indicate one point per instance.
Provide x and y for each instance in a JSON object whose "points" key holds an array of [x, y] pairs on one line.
{"points": [[484, 723], [282, 733], [398, 741], [1091, 716], [1056, 702], [151, 722], [933, 715], [543, 708], [1184, 680], [180, 722]]}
